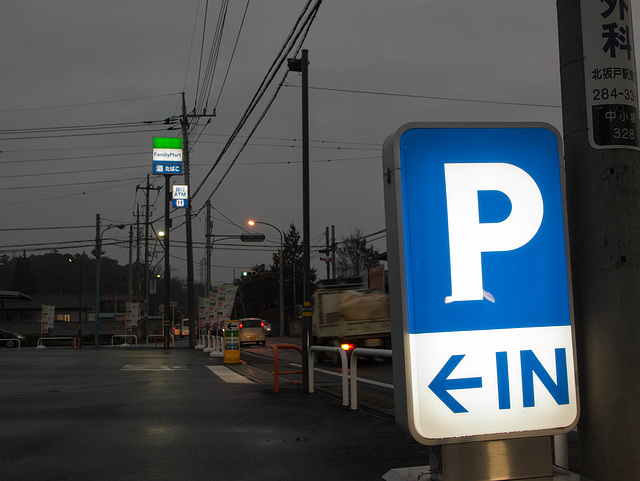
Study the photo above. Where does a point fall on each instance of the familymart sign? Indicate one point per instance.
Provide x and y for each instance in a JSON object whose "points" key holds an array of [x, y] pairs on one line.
{"points": [[167, 155]]}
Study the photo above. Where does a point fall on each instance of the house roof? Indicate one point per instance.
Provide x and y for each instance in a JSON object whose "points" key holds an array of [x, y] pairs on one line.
{"points": [[63, 301], [13, 296]]}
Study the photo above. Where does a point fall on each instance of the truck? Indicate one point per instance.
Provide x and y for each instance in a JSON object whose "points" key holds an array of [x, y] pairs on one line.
{"points": [[350, 317]]}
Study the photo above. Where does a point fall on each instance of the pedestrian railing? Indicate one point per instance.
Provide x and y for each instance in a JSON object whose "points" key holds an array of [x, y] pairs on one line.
{"points": [[276, 364], [12, 339], [160, 337], [345, 373], [75, 342], [126, 336], [354, 369]]}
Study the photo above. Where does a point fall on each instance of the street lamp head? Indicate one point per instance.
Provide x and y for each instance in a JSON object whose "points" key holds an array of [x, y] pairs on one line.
{"points": [[121, 226], [252, 222], [160, 233]]}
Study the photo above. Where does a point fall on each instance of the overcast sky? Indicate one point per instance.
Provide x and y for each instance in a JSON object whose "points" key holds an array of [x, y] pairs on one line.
{"points": [[85, 63]]}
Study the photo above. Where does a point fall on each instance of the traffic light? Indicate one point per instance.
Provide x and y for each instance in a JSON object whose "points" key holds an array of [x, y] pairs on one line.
{"points": [[248, 273]]}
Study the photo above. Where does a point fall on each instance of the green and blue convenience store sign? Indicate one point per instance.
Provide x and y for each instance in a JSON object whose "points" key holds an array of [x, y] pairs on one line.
{"points": [[167, 155]]}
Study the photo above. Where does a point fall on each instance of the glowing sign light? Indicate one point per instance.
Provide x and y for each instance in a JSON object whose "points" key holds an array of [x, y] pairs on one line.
{"points": [[167, 155], [482, 321]]}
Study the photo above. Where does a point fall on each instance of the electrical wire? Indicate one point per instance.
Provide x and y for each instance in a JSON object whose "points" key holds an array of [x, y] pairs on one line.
{"points": [[233, 52], [87, 103], [285, 50], [60, 136], [430, 97]]}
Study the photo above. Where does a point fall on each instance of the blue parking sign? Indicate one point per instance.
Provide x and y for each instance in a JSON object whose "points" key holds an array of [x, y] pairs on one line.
{"points": [[482, 318]]}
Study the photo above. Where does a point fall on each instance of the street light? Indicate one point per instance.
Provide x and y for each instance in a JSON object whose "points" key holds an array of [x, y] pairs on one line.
{"points": [[254, 222], [99, 257], [77, 260]]}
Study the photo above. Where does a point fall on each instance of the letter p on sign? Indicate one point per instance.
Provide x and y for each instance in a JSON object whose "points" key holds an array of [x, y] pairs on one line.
{"points": [[468, 238]]}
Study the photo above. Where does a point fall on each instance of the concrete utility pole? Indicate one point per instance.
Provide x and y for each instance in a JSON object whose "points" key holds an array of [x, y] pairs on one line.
{"points": [[191, 290], [209, 239], [167, 259], [192, 305], [597, 66], [145, 308]]}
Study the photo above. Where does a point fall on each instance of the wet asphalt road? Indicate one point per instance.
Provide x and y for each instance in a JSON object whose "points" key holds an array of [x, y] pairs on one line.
{"points": [[155, 414]]}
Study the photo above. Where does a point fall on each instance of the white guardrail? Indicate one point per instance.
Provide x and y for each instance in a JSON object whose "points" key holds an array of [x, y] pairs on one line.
{"points": [[126, 336], [13, 339], [345, 373], [354, 369], [75, 341]]}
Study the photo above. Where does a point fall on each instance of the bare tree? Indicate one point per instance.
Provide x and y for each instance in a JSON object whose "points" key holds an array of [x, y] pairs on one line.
{"points": [[354, 256]]}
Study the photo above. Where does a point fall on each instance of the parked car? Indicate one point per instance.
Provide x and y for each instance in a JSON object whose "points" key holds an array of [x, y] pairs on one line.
{"points": [[11, 339], [252, 330]]}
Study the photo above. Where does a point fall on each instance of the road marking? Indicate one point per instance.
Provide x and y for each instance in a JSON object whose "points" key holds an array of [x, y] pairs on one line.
{"points": [[229, 376], [151, 367]]}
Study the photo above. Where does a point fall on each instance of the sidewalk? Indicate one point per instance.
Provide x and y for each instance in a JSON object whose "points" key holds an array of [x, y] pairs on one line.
{"points": [[313, 436]]}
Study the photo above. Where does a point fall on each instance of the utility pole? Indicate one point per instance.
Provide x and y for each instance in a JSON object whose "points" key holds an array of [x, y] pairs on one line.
{"points": [[209, 240], [302, 65], [167, 259], [191, 291], [96, 312], [130, 282], [138, 276], [600, 112], [192, 307], [145, 309], [333, 252], [327, 252]]}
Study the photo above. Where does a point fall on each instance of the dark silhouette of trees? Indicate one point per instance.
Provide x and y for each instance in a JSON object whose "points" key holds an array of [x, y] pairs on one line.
{"points": [[354, 256]]}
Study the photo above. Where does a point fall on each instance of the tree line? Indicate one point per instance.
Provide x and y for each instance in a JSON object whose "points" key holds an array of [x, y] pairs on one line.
{"points": [[56, 273]]}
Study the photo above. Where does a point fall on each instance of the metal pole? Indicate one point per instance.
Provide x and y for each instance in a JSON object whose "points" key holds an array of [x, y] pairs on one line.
{"points": [[306, 312], [281, 272], [328, 251], [192, 305], [96, 328], [97, 305], [130, 282], [281, 300], [208, 251], [167, 260], [79, 302], [604, 232], [145, 308], [333, 252]]}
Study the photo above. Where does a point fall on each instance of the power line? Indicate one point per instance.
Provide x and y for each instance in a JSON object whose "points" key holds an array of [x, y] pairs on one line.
{"points": [[295, 36], [84, 127], [15, 229], [70, 184], [88, 103], [52, 159], [224, 81], [430, 97], [60, 136], [49, 174], [32, 201]]}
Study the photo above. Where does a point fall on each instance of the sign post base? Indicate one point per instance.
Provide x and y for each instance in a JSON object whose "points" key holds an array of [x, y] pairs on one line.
{"points": [[519, 458]]}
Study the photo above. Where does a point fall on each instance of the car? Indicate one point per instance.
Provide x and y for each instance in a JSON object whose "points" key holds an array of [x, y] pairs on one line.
{"points": [[252, 330], [12, 339], [267, 328]]}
